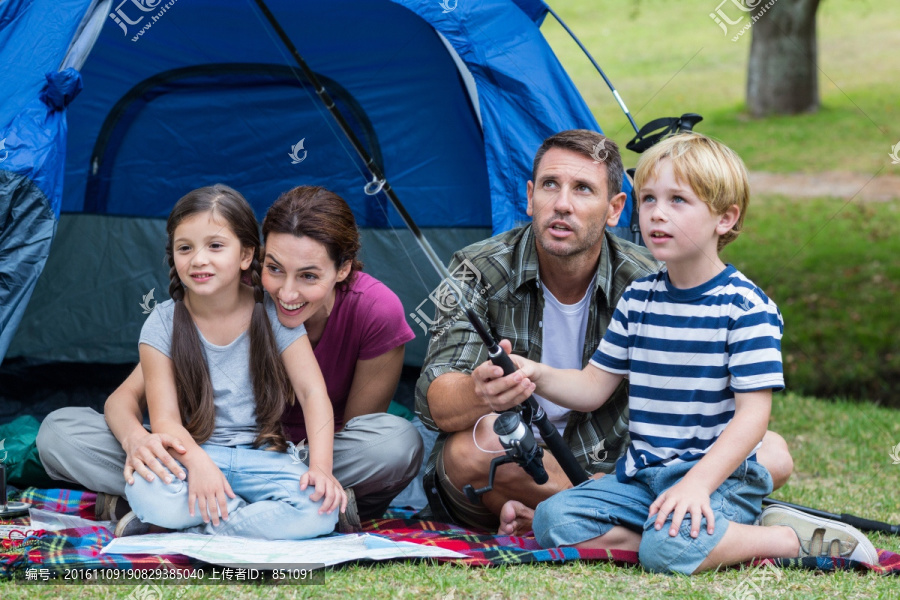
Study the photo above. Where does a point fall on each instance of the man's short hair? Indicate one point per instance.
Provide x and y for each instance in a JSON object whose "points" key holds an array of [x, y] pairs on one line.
{"points": [[589, 144], [712, 170]]}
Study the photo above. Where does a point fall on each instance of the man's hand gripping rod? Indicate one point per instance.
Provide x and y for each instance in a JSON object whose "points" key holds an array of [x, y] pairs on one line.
{"points": [[515, 433]]}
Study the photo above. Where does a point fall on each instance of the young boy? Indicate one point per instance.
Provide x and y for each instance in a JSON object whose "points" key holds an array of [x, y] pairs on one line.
{"points": [[701, 346]]}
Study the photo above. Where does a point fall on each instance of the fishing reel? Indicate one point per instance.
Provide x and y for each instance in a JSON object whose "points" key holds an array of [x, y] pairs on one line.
{"points": [[520, 447]]}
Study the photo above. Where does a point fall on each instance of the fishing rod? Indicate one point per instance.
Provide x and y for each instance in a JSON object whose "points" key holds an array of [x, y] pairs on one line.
{"points": [[516, 438], [609, 83]]}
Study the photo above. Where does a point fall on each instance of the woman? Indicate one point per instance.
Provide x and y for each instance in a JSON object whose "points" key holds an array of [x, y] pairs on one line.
{"points": [[357, 328]]}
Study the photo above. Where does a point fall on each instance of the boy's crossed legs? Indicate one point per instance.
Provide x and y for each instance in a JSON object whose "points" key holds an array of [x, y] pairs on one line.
{"points": [[605, 513]]}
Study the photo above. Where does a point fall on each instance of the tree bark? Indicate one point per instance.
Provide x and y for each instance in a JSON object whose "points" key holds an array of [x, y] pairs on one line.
{"points": [[782, 75]]}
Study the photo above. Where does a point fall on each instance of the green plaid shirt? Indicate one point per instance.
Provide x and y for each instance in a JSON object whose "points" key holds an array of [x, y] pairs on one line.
{"points": [[500, 279]]}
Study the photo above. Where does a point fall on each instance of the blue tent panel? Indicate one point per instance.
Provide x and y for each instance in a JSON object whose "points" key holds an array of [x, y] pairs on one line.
{"points": [[32, 143]]}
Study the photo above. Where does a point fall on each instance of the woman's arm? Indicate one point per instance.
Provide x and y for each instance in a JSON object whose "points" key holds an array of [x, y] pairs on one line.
{"points": [[309, 386], [374, 383], [145, 452], [207, 486]]}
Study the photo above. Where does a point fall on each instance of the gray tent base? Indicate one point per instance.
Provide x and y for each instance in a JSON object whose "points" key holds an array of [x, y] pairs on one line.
{"points": [[84, 283]]}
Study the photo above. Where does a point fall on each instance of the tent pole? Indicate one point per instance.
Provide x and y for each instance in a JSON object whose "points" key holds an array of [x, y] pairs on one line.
{"points": [[596, 66], [379, 182]]}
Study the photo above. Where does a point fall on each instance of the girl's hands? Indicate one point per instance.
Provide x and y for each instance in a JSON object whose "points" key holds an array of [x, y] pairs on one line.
{"points": [[327, 487], [207, 489]]}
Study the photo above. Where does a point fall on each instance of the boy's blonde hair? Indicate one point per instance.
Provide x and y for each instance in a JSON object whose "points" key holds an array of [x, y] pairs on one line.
{"points": [[712, 170]]}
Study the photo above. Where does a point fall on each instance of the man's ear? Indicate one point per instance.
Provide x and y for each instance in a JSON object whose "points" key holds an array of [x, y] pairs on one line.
{"points": [[728, 219], [616, 204], [529, 191]]}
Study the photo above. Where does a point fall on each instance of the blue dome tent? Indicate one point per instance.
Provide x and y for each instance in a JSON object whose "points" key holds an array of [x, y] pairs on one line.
{"points": [[118, 108]]}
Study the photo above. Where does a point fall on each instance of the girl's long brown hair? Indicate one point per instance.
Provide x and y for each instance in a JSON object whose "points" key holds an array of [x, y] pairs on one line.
{"points": [[271, 386], [322, 215]]}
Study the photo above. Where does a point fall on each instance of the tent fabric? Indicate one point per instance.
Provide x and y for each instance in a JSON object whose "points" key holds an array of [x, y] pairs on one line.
{"points": [[177, 95], [32, 143]]}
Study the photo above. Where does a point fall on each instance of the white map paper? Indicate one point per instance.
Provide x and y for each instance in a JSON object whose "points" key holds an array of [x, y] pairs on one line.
{"points": [[236, 551]]}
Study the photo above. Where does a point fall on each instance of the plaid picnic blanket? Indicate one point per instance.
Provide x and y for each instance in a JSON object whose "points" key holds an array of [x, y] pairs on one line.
{"points": [[81, 547]]}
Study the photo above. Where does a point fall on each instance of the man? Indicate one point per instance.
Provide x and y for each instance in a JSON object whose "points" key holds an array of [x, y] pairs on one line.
{"points": [[562, 274]]}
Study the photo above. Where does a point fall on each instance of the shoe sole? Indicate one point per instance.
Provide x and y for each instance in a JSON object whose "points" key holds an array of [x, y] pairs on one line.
{"points": [[124, 527], [349, 522]]}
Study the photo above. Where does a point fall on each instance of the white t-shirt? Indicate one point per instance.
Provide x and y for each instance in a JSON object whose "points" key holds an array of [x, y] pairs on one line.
{"points": [[564, 327]]}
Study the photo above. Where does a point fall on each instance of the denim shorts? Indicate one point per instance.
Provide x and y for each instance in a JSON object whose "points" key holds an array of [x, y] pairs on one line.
{"points": [[597, 505]]}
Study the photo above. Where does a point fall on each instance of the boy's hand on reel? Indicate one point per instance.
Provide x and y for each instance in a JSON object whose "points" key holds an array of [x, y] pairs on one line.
{"points": [[326, 487], [207, 490], [501, 392]]}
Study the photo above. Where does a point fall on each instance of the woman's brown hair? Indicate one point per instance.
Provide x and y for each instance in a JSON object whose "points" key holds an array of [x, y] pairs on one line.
{"points": [[321, 215], [271, 385]]}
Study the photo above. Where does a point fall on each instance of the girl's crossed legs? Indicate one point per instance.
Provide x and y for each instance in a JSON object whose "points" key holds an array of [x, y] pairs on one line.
{"points": [[269, 504]]}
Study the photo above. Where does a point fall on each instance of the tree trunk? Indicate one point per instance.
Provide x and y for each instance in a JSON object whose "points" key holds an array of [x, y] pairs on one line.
{"points": [[782, 76]]}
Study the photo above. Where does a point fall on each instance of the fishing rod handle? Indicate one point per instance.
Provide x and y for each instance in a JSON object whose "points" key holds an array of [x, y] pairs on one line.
{"points": [[502, 360], [869, 525]]}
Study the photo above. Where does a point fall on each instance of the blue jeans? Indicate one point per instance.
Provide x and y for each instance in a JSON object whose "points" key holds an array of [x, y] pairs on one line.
{"points": [[597, 505], [269, 504]]}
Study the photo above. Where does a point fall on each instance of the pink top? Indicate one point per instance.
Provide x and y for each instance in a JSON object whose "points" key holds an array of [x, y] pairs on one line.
{"points": [[366, 321]]}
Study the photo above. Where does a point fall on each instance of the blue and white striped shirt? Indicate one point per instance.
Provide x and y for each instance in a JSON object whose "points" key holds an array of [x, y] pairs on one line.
{"points": [[686, 352]]}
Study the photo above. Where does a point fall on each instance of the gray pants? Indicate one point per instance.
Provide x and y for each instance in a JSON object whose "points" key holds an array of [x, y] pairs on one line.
{"points": [[377, 455]]}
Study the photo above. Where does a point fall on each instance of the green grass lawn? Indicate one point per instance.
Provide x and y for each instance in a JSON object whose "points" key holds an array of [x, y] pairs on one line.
{"points": [[667, 57], [842, 464], [831, 267]]}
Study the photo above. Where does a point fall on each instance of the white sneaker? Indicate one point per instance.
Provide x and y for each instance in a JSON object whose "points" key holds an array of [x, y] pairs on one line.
{"points": [[822, 537]]}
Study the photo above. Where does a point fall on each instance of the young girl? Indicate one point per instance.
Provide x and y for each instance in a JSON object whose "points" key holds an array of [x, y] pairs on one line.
{"points": [[214, 378]]}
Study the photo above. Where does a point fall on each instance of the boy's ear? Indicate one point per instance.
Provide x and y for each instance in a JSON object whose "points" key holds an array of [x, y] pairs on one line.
{"points": [[727, 219]]}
